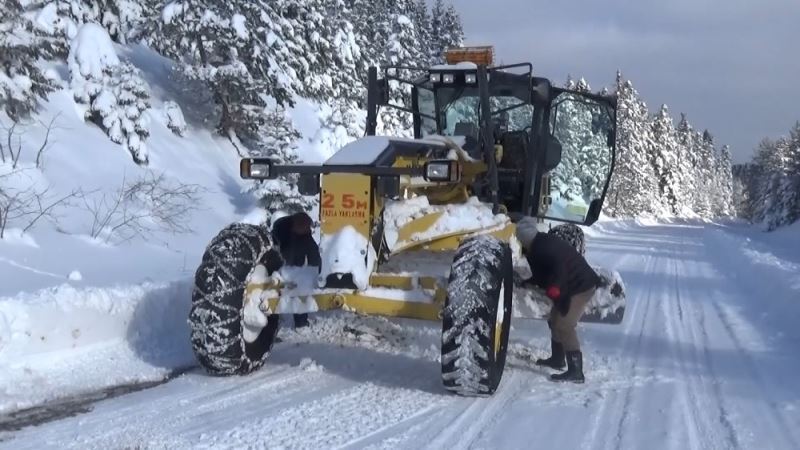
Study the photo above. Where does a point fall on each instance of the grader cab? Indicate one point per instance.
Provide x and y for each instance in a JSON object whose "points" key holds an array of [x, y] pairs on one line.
{"points": [[422, 227]]}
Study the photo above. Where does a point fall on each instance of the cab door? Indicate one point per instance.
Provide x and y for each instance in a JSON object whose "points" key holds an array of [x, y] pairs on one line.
{"points": [[578, 160]]}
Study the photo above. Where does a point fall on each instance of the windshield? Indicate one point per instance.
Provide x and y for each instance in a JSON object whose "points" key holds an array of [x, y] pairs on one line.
{"points": [[460, 111]]}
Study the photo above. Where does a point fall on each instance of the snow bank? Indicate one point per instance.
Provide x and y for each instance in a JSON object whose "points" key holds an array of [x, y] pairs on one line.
{"points": [[64, 340]]}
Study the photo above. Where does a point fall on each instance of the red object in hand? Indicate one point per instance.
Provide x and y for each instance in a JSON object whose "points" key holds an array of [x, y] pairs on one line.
{"points": [[553, 292]]}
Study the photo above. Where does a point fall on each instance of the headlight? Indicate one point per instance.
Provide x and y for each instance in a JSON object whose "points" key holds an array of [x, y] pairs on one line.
{"points": [[470, 78], [436, 77], [448, 78], [442, 171], [255, 168]]}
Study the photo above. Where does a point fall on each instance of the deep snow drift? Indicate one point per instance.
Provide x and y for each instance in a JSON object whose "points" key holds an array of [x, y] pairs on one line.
{"points": [[75, 297]]}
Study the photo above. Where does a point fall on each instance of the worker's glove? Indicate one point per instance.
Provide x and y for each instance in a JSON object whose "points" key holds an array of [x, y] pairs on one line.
{"points": [[526, 231], [553, 293]]}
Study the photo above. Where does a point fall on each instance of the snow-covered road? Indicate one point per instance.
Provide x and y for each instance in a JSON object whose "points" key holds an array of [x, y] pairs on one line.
{"points": [[706, 358]]}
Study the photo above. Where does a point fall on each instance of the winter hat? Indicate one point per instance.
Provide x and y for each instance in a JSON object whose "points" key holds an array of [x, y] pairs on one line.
{"points": [[527, 228]]}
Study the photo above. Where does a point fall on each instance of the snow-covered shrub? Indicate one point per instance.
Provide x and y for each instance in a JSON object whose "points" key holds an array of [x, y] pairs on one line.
{"points": [[141, 207], [116, 96], [25, 196], [174, 117], [22, 82]]}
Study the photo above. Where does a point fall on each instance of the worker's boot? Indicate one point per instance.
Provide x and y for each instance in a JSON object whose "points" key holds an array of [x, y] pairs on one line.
{"points": [[574, 371], [556, 359]]}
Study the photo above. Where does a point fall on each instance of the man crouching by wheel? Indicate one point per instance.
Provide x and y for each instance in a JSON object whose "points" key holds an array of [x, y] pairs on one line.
{"points": [[570, 282]]}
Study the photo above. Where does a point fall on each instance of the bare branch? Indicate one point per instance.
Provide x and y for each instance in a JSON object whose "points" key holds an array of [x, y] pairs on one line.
{"points": [[44, 146], [46, 210], [141, 207]]}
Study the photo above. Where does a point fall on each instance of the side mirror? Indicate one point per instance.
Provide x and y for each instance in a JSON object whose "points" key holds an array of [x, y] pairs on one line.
{"points": [[552, 157]]}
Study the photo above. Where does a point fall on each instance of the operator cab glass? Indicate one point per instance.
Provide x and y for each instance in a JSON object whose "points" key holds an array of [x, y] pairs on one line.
{"points": [[584, 128], [460, 112], [548, 152]]}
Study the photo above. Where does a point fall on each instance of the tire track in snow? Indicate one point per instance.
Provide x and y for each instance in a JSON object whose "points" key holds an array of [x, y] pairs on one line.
{"points": [[611, 413], [453, 423], [686, 400], [461, 431], [624, 410], [690, 379]]}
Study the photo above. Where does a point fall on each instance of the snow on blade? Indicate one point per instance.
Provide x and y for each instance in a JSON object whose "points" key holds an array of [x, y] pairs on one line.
{"points": [[470, 216]]}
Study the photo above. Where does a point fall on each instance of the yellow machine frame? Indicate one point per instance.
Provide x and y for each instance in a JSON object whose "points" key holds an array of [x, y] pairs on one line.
{"points": [[350, 199]]}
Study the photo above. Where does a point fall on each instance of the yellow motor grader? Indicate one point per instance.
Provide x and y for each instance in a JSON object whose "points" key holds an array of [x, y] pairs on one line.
{"points": [[422, 227]]}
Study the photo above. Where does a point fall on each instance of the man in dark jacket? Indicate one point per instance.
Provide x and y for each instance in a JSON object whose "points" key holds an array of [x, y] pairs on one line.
{"points": [[297, 246], [570, 283]]}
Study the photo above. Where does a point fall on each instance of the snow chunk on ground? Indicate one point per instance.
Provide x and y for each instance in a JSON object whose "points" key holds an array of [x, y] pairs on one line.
{"points": [[174, 118], [92, 51], [75, 276], [309, 365]]}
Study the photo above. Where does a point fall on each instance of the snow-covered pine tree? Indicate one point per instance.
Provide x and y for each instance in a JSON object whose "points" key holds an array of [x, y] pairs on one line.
{"points": [[22, 82], [236, 48], [663, 154], [633, 189], [704, 174], [115, 95], [687, 170], [793, 171], [120, 18], [770, 161], [724, 177], [422, 22], [435, 55], [279, 144], [743, 187], [449, 31], [781, 191], [402, 49]]}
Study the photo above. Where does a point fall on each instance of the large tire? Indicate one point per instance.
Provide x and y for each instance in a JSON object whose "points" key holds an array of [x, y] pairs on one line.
{"points": [[215, 317], [474, 344]]}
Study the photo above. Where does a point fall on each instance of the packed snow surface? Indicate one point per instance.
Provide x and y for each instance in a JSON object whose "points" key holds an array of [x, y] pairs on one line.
{"points": [[705, 358]]}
